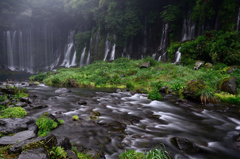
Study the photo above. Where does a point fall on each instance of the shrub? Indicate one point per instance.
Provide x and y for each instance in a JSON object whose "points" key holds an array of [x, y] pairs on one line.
{"points": [[130, 85], [150, 59], [81, 155], [16, 112], [154, 95], [45, 124], [40, 77], [58, 153], [131, 154], [56, 81], [207, 95], [229, 98]]}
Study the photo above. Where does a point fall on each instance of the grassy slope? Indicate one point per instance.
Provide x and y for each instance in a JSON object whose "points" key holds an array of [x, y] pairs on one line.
{"points": [[104, 74]]}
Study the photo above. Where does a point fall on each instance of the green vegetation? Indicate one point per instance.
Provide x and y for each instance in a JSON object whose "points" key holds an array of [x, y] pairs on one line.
{"points": [[61, 121], [213, 46], [45, 124], [4, 153], [81, 155], [16, 112], [156, 153], [154, 95], [176, 77], [58, 153], [75, 118]]}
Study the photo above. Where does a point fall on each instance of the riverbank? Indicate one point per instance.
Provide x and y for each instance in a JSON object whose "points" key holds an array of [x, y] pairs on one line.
{"points": [[147, 75]]}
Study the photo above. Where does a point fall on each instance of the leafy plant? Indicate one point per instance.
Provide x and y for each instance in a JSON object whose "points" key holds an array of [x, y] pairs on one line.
{"points": [[15, 112], [154, 95], [58, 153], [61, 121], [131, 154], [45, 124]]}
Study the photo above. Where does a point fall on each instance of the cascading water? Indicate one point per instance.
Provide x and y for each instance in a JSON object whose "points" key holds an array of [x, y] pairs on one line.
{"points": [[154, 56], [67, 57], [74, 62], [113, 52], [32, 48], [163, 45], [82, 57], [160, 57], [188, 32], [107, 49], [89, 53], [9, 51], [238, 19], [178, 56]]}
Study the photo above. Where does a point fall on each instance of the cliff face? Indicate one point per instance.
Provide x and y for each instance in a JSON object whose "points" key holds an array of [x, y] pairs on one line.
{"points": [[32, 43]]}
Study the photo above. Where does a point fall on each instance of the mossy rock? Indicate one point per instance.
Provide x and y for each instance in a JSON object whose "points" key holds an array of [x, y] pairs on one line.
{"points": [[193, 89], [208, 66], [228, 85]]}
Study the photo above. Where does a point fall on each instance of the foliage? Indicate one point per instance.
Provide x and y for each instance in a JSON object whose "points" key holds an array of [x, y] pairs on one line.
{"points": [[214, 47], [208, 95], [131, 154], [58, 153], [4, 153], [82, 39], [61, 121], [154, 95], [81, 155], [39, 77], [45, 124], [156, 153], [75, 118], [15, 112], [230, 98]]}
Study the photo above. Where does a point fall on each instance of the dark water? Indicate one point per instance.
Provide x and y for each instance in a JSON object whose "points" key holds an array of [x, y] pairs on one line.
{"points": [[14, 77], [134, 122]]}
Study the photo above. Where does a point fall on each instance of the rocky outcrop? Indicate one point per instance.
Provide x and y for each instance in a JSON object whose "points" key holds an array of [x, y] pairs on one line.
{"points": [[228, 85], [38, 153], [48, 142], [18, 137], [64, 142], [145, 65], [11, 126], [198, 65], [184, 145], [193, 89]]}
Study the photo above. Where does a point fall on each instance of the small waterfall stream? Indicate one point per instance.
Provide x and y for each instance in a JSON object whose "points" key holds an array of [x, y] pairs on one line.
{"points": [[74, 60], [178, 56], [107, 49], [238, 19], [188, 32], [67, 57], [89, 53], [82, 57]]}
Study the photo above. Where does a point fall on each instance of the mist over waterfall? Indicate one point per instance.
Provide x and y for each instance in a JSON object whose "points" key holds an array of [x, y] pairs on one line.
{"points": [[82, 57], [70, 49], [32, 48], [188, 32]]}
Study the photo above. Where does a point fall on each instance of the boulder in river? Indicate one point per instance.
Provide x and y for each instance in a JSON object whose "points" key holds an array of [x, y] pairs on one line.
{"points": [[229, 85], [64, 142], [82, 102], [62, 90], [184, 145], [15, 125], [18, 137], [48, 142]]}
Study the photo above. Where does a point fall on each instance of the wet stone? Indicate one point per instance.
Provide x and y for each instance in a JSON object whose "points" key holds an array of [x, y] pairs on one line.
{"points": [[184, 145], [39, 153], [62, 90], [64, 142], [82, 102]]}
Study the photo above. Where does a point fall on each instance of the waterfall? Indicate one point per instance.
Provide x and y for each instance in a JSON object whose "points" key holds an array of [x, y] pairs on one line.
{"points": [[107, 49], [67, 60], [113, 52], [9, 51], [154, 56], [178, 56], [188, 32], [160, 57], [238, 19], [89, 53], [82, 57], [144, 48], [74, 63], [21, 55], [163, 44], [53, 65]]}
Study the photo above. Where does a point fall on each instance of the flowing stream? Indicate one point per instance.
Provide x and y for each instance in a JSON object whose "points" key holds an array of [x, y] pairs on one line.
{"points": [[135, 122]]}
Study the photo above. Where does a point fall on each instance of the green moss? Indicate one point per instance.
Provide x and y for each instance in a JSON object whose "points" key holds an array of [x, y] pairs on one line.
{"points": [[15, 112], [61, 121], [75, 118]]}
